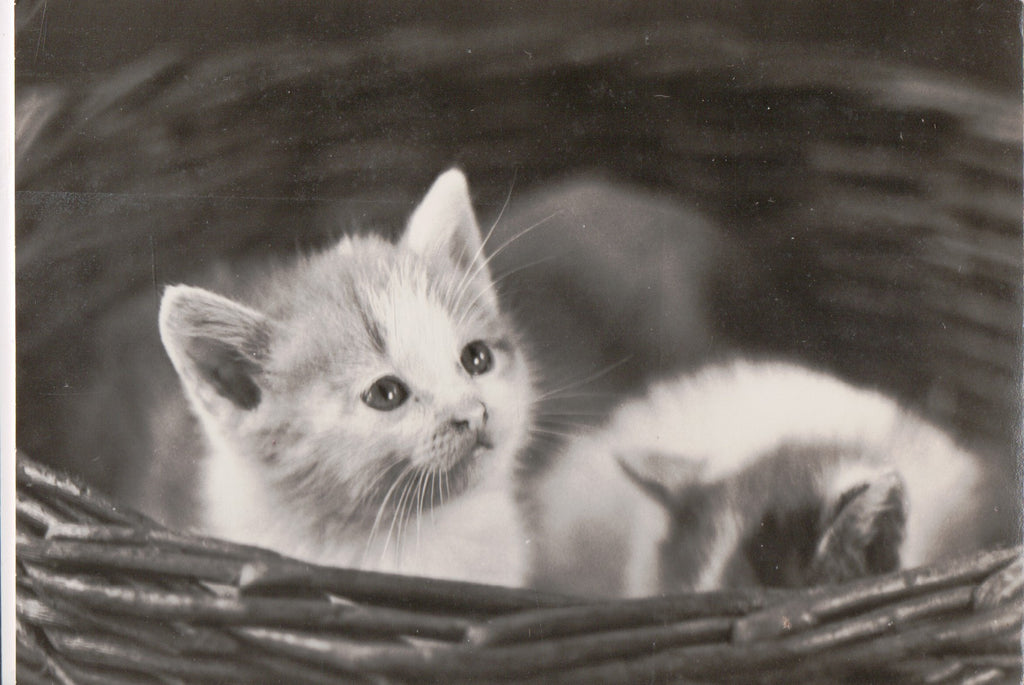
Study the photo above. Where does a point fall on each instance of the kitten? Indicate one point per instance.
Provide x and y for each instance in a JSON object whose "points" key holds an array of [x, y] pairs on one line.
{"points": [[364, 406], [752, 473]]}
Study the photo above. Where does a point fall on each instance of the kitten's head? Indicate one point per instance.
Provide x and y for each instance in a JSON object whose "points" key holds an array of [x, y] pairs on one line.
{"points": [[801, 516], [367, 379]]}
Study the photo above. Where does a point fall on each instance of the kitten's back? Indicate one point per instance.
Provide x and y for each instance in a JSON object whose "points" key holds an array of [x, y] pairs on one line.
{"points": [[722, 425]]}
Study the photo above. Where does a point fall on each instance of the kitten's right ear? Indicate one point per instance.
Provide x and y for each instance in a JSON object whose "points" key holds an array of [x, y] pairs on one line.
{"points": [[216, 345], [445, 224], [864, 530], [663, 477]]}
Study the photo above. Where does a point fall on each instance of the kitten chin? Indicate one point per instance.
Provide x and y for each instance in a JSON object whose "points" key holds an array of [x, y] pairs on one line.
{"points": [[364, 406], [753, 473]]}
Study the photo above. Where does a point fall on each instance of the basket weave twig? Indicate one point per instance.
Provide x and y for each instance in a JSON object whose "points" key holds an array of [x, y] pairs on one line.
{"points": [[106, 596]]}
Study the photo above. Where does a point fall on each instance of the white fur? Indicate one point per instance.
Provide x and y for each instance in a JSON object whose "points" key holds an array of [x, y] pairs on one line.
{"points": [[587, 508], [727, 416], [728, 535], [477, 537]]}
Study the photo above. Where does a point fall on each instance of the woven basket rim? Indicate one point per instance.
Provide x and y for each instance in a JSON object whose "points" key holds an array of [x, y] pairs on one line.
{"points": [[85, 563]]}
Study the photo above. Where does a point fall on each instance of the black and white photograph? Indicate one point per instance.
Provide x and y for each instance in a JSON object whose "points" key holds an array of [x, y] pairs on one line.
{"points": [[574, 342]]}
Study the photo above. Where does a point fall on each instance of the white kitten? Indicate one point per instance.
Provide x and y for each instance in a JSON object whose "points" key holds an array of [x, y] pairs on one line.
{"points": [[751, 474], [366, 405]]}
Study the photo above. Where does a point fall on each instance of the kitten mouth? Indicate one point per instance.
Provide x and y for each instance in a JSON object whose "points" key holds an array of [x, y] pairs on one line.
{"points": [[437, 482], [463, 464], [458, 469]]}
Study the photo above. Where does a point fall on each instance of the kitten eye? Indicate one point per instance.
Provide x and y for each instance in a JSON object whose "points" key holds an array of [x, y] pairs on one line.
{"points": [[385, 394], [476, 358]]}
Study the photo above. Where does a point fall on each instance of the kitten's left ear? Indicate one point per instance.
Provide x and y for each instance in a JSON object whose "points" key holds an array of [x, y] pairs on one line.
{"points": [[444, 224], [217, 347], [663, 477]]}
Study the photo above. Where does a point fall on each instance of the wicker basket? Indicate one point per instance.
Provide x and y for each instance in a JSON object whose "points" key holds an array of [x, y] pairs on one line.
{"points": [[887, 200], [108, 597]]}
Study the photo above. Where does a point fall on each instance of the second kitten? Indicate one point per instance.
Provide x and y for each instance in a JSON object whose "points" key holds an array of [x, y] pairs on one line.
{"points": [[752, 473]]}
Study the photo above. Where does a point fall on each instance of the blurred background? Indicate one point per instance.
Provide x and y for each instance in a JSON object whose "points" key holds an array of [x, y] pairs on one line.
{"points": [[842, 182], [62, 41]]}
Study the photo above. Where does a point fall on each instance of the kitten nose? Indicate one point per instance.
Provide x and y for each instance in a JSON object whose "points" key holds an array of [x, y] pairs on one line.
{"points": [[472, 417]]}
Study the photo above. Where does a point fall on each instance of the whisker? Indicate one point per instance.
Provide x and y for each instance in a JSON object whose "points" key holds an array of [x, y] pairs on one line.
{"points": [[522, 267], [383, 506], [468, 278], [550, 397], [522, 233], [387, 496], [421, 487], [551, 440], [566, 417], [554, 433], [490, 231], [407, 511], [379, 474], [467, 308], [501, 212], [583, 381], [432, 483], [396, 522], [575, 428], [582, 413], [405, 483], [483, 243], [411, 508]]}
